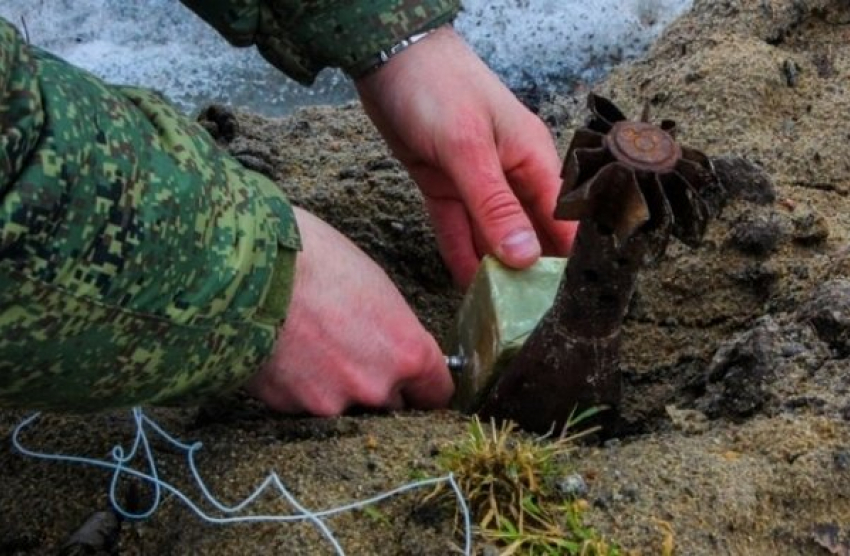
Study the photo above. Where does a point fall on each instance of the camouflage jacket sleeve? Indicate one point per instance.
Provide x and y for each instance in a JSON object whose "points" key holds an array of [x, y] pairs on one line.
{"points": [[138, 262], [301, 37]]}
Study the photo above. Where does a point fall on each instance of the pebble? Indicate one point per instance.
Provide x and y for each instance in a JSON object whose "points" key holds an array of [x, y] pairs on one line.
{"points": [[842, 460], [744, 180], [490, 550], [690, 421], [758, 276], [792, 349], [383, 163], [573, 485], [740, 371], [828, 311], [755, 233], [810, 227], [352, 173]]}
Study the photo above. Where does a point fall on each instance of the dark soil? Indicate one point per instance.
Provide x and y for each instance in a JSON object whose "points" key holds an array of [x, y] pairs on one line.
{"points": [[736, 429]]}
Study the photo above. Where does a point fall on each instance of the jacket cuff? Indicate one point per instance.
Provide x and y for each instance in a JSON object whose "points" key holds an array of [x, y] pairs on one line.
{"points": [[302, 38]]}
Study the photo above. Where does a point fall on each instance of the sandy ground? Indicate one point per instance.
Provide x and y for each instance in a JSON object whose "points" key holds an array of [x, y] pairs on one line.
{"points": [[737, 412]]}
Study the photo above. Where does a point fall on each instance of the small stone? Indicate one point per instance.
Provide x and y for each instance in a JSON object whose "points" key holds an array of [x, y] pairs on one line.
{"points": [[828, 536], [301, 128], [828, 311], [788, 126], [812, 403], [690, 421], [573, 485], [842, 460], [792, 349], [758, 277], [800, 271], [740, 371], [756, 234], [352, 173], [744, 180], [603, 502], [256, 163], [99, 534], [824, 64], [840, 266], [810, 227], [384, 163], [791, 71], [612, 443], [490, 550], [631, 494], [220, 122]]}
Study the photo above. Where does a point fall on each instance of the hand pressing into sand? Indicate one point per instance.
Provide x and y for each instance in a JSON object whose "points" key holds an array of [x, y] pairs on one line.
{"points": [[349, 337], [487, 166]]}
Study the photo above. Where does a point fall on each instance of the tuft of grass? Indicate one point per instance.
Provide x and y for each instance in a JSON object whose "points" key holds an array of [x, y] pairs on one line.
{"points": [[509, 483], [376, 515]]}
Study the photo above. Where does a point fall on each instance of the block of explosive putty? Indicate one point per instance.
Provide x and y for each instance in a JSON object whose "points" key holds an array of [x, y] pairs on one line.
{"points": [[499, 311]]}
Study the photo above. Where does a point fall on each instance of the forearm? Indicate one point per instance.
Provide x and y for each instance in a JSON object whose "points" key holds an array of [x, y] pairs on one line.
{"points": [[135, 256], [303, 37]]}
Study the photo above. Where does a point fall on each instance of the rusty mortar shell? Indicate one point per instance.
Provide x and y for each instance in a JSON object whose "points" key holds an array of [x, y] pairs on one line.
{"points": [[632, 187]]}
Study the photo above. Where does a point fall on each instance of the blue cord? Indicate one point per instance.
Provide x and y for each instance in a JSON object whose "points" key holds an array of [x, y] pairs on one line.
{"points": [[121, 466]]}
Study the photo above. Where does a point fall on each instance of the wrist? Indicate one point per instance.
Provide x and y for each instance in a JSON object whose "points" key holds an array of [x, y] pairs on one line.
{"points": [[375, 62]]}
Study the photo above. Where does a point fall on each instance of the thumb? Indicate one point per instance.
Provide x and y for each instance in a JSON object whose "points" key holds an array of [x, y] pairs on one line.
{"points": [[496, 212]]}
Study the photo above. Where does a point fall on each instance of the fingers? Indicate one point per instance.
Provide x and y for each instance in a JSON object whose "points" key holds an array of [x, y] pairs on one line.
{"points": [[460, 245], [521, 197], [537, 183], [432, 385], [422, 382], [496, 211], [350, 338], [453, 233], [429, 391], [412, 375]]}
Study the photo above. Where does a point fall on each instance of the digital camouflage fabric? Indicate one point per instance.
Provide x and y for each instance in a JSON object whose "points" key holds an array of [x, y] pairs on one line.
{"points": [[302, 37], [140, 264], [135, 255]]}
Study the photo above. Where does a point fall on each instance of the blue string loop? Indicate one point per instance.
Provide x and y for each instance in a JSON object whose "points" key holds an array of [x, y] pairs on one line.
{"points": [[121, 466]]}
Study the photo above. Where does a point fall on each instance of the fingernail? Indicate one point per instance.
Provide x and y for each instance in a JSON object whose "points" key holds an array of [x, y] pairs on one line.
{"points": [[521, 245]]}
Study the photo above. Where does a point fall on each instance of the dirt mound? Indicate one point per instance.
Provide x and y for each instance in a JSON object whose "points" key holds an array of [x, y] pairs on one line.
{"points": [[737, 409]]}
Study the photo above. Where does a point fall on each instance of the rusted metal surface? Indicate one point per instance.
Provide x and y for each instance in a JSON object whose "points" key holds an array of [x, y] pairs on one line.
{"points": [[632, 187], [643, 146]]}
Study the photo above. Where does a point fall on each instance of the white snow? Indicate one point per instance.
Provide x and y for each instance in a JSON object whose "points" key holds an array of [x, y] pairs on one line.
{"points": [[161, 44]]}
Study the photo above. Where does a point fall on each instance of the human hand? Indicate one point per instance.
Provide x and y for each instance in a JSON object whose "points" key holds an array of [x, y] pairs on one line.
{"points": [[487, 166], [349, 337]]}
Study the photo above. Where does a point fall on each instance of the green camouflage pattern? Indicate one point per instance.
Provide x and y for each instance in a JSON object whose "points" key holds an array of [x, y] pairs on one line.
{"points": [[136, 257], [301, 37]]}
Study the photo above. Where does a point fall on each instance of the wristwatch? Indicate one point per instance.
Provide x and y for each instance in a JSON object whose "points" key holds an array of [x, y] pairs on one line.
{"points": [[373, 63]]}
